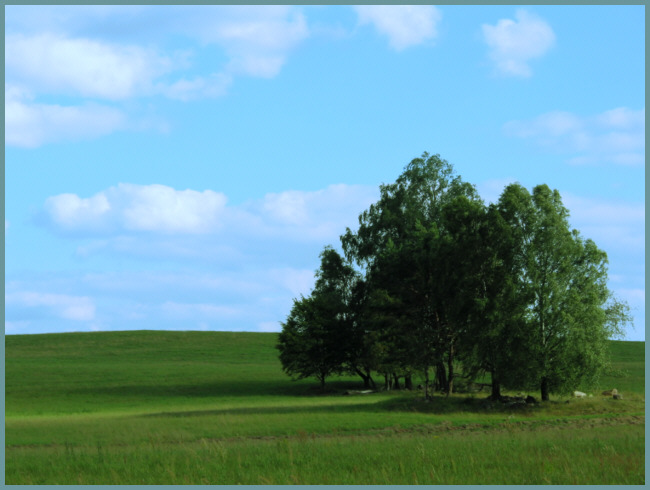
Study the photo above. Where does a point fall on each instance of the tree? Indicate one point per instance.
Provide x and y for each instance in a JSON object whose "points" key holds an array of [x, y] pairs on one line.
{"points": [[318, 326], [509, 289], [570, 313], [307, 345], [398, 244], [337, 280]]}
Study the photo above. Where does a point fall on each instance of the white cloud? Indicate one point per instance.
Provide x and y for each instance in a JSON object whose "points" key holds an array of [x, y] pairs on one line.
{"points": [[82, 67], [257, 39], [405, 25], [161, 208], [514, 43], [288, 207], [295, 215], [30, 125], [70, 211], [131, 207], [316, 214], [60, 51], [615, 136], [76, 308]]}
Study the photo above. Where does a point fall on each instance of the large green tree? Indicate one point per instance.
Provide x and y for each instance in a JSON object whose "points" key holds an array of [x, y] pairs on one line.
{"points": [[398, 244], [570, 312]]}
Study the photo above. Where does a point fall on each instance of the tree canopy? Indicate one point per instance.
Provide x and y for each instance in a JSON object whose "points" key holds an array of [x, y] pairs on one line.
{"points": [[433, 276]]}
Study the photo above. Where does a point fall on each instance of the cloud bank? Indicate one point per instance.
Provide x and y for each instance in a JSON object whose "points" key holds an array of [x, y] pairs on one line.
{"points": [[616, 136], [70, 59], [125, 208]]}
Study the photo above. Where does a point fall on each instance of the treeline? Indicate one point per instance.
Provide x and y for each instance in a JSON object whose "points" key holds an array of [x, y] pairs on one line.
{"points": [[433, 276]]}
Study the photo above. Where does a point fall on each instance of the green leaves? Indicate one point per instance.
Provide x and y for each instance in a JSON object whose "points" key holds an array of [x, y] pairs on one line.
{"points": [[563, 280], [508, 288]]}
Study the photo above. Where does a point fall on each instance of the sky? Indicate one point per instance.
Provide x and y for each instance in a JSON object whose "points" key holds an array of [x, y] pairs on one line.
{"points": [[182, 167]]}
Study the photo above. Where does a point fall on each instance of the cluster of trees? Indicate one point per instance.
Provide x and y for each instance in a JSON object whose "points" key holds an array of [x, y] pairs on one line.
{"points": [[434, 277]]}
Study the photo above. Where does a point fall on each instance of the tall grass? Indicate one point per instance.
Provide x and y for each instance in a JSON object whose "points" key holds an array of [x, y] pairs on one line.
{"points": [[504, 456], [215, 407]]}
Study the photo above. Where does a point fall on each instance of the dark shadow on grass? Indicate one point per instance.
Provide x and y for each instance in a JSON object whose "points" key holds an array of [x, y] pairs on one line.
{"points": [[260, 410], [442, 405], [404, 402], [397, 401], [220, 389]]}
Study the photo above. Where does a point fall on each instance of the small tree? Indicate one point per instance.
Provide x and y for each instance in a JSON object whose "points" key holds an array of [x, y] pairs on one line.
{"points": [[314, 336], [308, 346]]}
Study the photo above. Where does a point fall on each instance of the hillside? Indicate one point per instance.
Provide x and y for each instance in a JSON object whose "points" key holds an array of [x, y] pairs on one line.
{"points": [[84, 372], [99, 371]]}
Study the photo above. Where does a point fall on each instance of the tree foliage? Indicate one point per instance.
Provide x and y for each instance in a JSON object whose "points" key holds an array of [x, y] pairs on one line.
{"points": [[432, 275], [318, 326]]}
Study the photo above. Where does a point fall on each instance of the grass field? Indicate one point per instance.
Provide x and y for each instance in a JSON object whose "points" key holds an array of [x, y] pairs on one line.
{"points": [[153, 407]]}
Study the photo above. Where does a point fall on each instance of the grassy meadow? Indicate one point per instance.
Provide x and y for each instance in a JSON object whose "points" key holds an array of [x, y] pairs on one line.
{"points": [[151, 407]]}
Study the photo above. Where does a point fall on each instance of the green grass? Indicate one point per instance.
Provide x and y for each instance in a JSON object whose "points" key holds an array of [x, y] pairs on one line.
{"points": [[628, 373], [215, 408]]}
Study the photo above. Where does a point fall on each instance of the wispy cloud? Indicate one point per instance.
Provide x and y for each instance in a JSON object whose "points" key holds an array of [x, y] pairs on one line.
{"points": [[226, 300], [65, 52], [618, 226], [75, 308], [615, 136], [404, 25], [257, 40], [514, 43], [29, 124]]}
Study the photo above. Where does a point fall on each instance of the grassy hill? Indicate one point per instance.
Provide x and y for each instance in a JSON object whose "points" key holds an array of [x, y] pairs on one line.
{"points": [[104, 371], [200, 407]]}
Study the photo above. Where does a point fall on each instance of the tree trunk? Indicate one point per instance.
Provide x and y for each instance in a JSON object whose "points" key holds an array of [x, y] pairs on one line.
{"points": [[371, 381], [545, 389], [450, 369], [496, 387], [441, 377], [396, 382], [408, 382], [368, 382], [386, 382], [426, 384]]}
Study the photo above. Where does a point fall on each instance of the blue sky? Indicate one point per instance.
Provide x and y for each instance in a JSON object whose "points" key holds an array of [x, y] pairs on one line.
{"points": [[181, 167]]}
